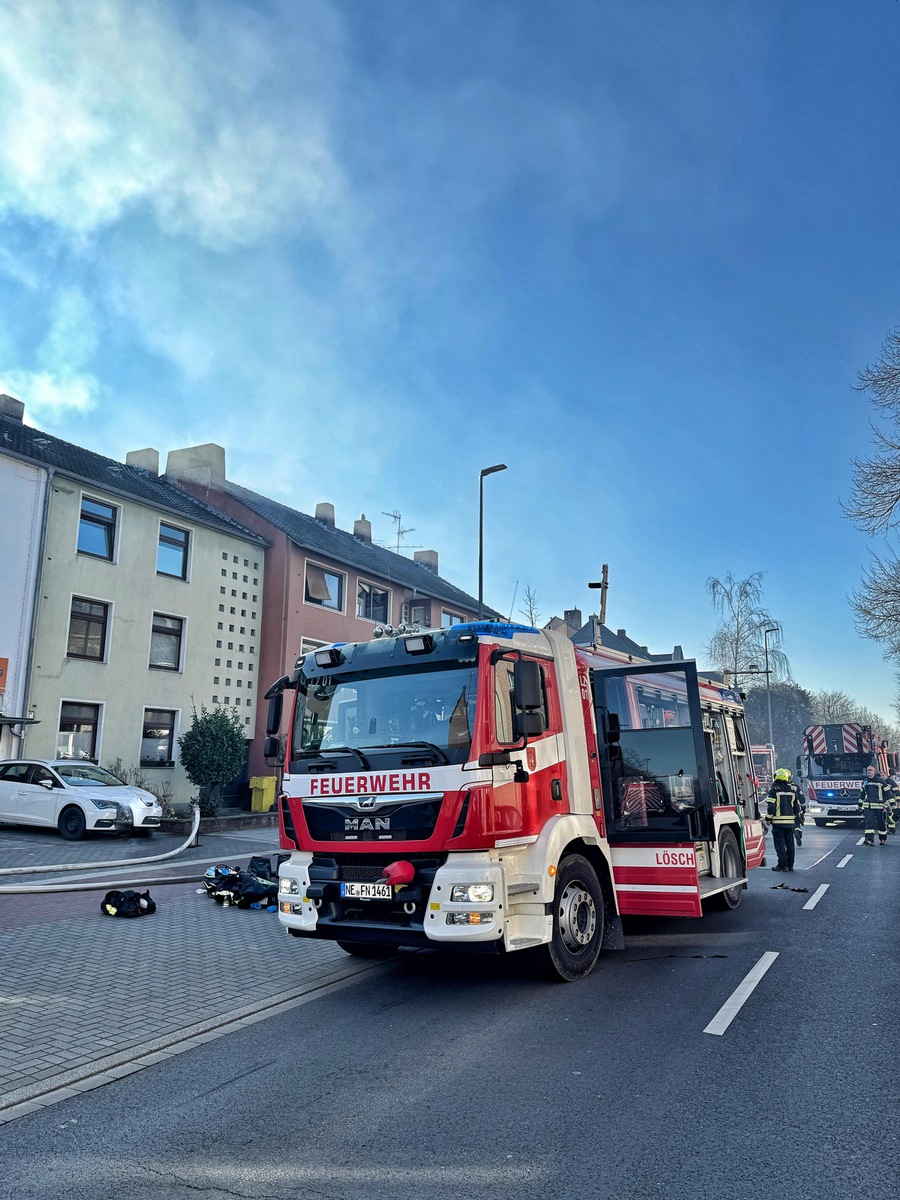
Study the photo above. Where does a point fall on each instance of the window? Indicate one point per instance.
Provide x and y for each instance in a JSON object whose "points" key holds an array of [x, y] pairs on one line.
{"points": [[172, 554], [165, 643], [420, 614], [97, 529], [371, 602], [448, 619], [504, 706], [158, 738], [324, 587], [87, 629], [307, 644], [78, 726]]}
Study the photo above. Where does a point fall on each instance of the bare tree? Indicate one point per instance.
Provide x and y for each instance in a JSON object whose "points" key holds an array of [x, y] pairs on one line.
{"points": [[832, 708], [530, 609], [739, 642], [874, 504]]}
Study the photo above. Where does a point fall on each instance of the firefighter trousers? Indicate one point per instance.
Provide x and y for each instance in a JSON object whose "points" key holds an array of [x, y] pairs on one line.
{"points": [[876, 822], [783, 841]]}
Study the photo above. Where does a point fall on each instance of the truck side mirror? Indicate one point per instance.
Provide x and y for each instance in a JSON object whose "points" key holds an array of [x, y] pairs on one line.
{"points": [[799, 765], [529, 724], [527, 690], [613, 728], [272, 747], [273, 717]]}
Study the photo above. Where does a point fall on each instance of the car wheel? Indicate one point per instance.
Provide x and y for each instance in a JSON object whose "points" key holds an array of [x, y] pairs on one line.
{"points": [[578, 919], [71, 824]]}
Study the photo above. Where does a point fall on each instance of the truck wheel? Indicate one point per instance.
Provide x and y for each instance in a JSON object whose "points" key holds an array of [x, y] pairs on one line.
{"points": [[367, 949], [730, 864], [578, 920], [71, 824], [821, 822]]}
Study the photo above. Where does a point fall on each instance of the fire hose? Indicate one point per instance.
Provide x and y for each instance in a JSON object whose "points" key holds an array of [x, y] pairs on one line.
{"points": [[98, 866]]}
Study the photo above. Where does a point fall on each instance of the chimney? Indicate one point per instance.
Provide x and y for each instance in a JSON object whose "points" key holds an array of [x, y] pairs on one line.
{"points": [[572, 617], [362, 529], [200, 464], [325, 514], [12, 408], [621, 633], [145, 460], [428, 558]]}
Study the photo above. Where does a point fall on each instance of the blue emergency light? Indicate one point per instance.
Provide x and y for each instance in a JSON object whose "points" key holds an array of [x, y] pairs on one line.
{"points": [[504, 629]]}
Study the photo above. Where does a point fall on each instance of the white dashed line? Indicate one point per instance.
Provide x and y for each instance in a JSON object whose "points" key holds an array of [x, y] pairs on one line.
{"points": [[844, 861], [740, 995], [860, 842], [816, 897]]}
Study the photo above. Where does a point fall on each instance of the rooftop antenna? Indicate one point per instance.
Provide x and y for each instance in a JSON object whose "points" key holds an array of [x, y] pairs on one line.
{"points": [[401, 533]]}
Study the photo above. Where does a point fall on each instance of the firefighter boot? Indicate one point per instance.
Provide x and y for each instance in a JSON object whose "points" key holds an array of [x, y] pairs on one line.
{"points": [[869, 840]]}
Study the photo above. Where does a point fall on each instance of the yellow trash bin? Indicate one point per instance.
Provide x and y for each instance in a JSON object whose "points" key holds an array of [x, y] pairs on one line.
{"points": [[262, 792]]}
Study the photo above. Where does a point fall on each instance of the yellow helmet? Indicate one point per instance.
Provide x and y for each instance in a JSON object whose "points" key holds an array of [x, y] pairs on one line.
{"points": [[783, 773]]}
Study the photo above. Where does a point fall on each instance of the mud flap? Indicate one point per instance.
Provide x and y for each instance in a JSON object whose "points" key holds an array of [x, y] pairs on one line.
{"points": [[613, 938]]}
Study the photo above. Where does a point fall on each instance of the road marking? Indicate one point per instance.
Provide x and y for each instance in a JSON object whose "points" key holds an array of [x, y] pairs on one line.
{"points": [[816, 896], [740, 995], [860, 842], [844, 861]]}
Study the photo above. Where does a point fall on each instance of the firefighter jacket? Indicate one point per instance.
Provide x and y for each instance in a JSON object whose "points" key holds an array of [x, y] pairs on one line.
{"points": [[785, 803], [875, 793]]}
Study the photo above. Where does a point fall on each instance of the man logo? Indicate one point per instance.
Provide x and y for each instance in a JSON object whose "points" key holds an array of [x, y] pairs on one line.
{"points": [[366, 824]]}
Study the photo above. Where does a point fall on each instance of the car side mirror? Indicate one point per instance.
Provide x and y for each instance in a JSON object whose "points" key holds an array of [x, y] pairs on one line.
{"points": [[48, 784]]}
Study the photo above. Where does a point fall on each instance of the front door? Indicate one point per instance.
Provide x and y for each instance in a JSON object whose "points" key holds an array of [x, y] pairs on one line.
{"points": [[656, 763], [38, 803]]}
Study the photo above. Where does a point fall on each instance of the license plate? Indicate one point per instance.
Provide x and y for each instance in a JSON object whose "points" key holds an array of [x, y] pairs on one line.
{"points": [[367, 891]]}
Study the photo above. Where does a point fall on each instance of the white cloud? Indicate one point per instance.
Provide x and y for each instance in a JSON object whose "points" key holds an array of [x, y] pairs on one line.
{"points": [[110, 107], [48, 394]]}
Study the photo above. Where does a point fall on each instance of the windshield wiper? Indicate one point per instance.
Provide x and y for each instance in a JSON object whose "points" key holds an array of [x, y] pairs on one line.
{"points": [[401, 745], [357, 754]]}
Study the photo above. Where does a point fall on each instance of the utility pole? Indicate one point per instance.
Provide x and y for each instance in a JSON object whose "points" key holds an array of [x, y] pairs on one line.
{"points": [[602, 586]]}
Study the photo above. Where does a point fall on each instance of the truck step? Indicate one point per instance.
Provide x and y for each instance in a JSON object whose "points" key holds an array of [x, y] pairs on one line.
{"points": [[522, 889], [710, 886], [524, 942]]}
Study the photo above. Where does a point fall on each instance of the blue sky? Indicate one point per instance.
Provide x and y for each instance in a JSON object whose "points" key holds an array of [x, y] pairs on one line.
{"points": [[638, 251]]}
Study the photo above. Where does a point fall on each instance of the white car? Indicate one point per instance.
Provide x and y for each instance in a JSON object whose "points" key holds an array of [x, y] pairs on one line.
{"points": [[74, 796]]}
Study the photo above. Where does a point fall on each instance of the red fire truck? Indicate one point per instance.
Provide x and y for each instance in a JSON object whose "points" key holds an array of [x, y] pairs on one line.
{"points": [[832, 767], [493, 787], [764, 762]]}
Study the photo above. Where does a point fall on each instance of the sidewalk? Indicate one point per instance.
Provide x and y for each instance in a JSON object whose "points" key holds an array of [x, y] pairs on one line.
{"points": [[82, 994]]}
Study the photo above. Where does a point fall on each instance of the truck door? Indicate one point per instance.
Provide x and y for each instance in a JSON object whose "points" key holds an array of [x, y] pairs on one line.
{"points": [[656, 761]]}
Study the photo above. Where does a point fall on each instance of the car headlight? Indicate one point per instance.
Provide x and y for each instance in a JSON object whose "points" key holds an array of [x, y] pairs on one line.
{"points": [[102, 803], [472, 893], [125, 814], [290, 886], [814, 808]]}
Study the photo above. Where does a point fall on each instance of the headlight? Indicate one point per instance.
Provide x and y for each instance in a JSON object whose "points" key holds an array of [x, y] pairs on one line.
{"points": [[290, 886], [472, 893], [814, 808], [125, 814], [102, 803]]}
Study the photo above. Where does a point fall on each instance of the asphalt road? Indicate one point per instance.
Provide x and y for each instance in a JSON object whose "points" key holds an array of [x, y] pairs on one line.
{"points": [[468, 1079]]}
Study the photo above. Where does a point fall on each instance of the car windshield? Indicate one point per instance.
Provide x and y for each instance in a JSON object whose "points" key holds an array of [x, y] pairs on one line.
{"points": [[368, 710], [839, 766], [80, 774]]}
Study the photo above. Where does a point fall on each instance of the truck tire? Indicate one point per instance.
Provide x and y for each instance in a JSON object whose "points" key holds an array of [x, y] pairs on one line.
{"points": [[730, 864], [821, 822], [367, 949], [578, 922]]}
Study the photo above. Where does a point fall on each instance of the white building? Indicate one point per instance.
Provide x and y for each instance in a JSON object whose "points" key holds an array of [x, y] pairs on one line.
{"points": [[23, 489], [149, 604]]}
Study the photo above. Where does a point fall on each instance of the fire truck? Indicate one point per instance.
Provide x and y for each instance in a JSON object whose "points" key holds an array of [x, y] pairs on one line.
{"points": [[493, 787], [832, 766]]}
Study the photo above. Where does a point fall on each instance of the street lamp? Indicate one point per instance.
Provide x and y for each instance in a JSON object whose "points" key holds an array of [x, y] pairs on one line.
{"points": [[766, 632], [484, 471]]}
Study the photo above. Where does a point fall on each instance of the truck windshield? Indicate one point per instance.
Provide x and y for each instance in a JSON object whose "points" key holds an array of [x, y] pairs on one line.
{"points": [[371, 710], [840, 766]]}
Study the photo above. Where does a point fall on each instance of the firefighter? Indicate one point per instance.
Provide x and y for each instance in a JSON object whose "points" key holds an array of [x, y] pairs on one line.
{"points": [[893, 805], [874, 796], [785, 808]]}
